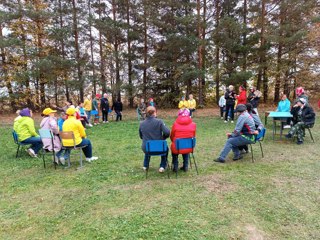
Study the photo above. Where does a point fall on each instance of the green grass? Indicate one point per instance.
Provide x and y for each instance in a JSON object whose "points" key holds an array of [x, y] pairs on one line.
{"points": [[276, 197]]}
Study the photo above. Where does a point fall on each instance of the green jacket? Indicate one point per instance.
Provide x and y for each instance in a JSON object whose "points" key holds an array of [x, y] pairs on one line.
{"points": [[24, 127]]}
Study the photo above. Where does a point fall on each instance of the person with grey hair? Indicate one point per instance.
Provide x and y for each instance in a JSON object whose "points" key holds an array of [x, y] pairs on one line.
{"points": [[230, 96], [153, 129], [243, 134], [104, 105]]}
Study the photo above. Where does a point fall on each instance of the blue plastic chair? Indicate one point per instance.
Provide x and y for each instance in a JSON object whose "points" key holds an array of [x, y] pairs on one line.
{"points": [[16, 141], [157, 148], [258, 138], [47, 134], [187, 143]]}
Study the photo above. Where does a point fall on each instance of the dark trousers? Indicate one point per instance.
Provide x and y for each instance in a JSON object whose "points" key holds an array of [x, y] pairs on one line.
{"points": [[119, 116], [163, 162], [105, 116], [231, 107], [221, 111], [191, 111], [175, 161]]}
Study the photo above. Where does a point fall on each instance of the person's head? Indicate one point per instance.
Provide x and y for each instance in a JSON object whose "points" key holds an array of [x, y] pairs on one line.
{"points": [[49, 112], [150, 99], [26, 112], [183, 98], [241, 108], [71, 111], [98, 96], [88, 97], [242, 88], [190, 96], [299, 91], [151, 111], [301, 102], [249, 107], [80, 104], [63, 116], [105, 95], [252, 89], [231, 87], [283, 97], [184, 112], [18, 112], [142, 100]]}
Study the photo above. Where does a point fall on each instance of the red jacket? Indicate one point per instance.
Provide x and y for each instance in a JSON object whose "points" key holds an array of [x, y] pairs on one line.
{"points": [[242, 98], [183, 127]]}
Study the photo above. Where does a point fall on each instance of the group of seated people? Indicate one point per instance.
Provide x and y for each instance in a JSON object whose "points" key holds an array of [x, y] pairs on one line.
{"points": [[25, 129], [153, 128]]}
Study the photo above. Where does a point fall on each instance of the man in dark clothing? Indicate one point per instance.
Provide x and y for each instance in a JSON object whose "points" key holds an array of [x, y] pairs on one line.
{"points": [[117, 107], [230, 96], [153, 129], [104, 105], [303, 116], [253, 98]]}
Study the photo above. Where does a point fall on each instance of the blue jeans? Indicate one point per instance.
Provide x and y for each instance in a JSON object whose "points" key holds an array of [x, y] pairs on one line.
{"points": [[163, 162], [232, 144], [175, 161], [87, 151], [66, 153], [36, 143], [88, 116]]}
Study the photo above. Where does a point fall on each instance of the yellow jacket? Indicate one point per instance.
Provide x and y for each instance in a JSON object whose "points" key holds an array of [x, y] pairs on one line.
{"points": [[192, 104], [24, 127], [87, 105], [75, 126], [183, 104]]}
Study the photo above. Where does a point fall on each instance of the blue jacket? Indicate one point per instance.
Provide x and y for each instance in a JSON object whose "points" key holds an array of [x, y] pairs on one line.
{"points": [[284, 106]]}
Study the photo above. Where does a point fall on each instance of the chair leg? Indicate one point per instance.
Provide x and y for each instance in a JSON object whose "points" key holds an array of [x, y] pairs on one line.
{"points": [[311, 135], [252, 159], [261, 149], [44, 162], [195, 163], [17, 154], [54, 158], [80, 158]]}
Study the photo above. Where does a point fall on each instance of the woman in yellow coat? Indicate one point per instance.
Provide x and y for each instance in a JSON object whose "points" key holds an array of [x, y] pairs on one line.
{"points": [[183, 103]]}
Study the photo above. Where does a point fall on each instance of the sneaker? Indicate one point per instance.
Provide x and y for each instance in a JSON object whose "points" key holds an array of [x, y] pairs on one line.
{"points": [[289, 135], [174, 169], [161, 170], [222, 118], [144, 168], [32, 153], [94, 158], [104, 121], [237, 158], [300, 142], [88, 159], [62, 160], [90, 125], [286, 126], [219, 160], [225, 121], [231, 121]]}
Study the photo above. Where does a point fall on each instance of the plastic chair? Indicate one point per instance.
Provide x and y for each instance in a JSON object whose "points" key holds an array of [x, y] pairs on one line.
{"points": [[157, 148], [187, 143], [19, 144], [309, 126], [70, 136], [47, 134], [258, 138]]}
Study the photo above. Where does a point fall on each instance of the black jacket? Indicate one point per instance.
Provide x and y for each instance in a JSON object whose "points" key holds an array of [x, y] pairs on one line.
{"points": [[230, 97], [307, 115], [253, 99], [117, 106], [104, 105]]}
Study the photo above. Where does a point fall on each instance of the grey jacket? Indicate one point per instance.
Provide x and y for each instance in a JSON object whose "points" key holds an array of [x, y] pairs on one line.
{"points": [[152, 129], [245, 125]]}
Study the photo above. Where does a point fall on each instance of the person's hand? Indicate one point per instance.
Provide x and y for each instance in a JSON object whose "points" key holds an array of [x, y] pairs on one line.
{"points": [[256, 132], [228, 134]]}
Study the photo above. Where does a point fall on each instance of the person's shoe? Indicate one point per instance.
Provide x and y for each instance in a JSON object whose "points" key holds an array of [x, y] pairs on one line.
{"points": [[161, 170], [231, 121], [243, 151], [289, 135], [88, 160], [31, 152], [104, 121], [62, 160], [300, 142], [185, 169], [286, 126], [174, 170], [107, 121], [225, 121], [94, 158], [219, 160], [237, 158], [144, 168], [90, 125]]}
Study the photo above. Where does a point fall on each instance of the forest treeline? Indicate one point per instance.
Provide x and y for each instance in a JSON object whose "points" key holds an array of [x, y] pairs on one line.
{"points": [[64, 49]]}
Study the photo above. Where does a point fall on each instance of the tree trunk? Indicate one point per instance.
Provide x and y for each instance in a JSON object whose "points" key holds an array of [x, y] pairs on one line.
{"points": [[116, 53], [130, 72], [91, 51], [217, 53], [145, 53], [102, 58], [200, 54], [244, 35]]}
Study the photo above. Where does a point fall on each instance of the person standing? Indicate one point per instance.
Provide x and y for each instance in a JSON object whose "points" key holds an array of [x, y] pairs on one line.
{"points": [[191, 104], [222, 105], [24, 127], [95, 109], [153, 129], [87, 105], [117, 107], [151, 103], [104, 106], [242, 97], [142, 109], [230, 97], [183, 103], [254, 97], [183, 127]]}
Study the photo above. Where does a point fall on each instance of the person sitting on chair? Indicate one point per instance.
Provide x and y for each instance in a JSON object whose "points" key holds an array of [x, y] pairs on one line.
{"points": [[75, 126], [153, 129], [183, 127], [303, 116], [24, 127], [243, 134]]}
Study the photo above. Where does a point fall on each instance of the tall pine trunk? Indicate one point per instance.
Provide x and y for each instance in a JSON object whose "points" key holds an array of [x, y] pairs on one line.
{"points": [[217, 52], [130, 72]]}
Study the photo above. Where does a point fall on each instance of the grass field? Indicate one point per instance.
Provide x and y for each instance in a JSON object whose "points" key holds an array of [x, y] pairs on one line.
{"points": [[277, 197]]}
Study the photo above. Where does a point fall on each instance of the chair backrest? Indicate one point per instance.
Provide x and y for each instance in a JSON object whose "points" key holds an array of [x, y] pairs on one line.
{"points": [[67, 136], [185, 143], [260, 135], [15, 137], [45, 133], [156, 147]]}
